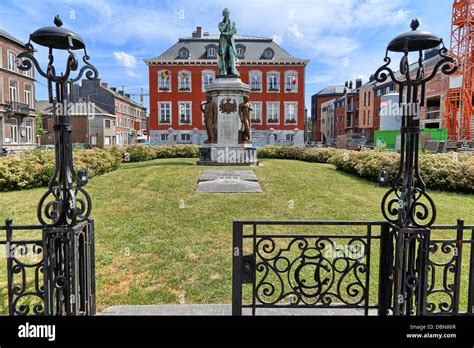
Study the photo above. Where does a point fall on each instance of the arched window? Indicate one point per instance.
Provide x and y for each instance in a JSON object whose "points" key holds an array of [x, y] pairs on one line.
{"points": [[255, 80], [291, 81], [164, 80], [273, 81], [208, 77], [184, 80]]}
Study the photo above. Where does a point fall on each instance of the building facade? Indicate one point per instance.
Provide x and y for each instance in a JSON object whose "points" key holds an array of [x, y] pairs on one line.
{"points": [[324, 95], [130, 116], [17, 98], [94, 126], [178, 79]]}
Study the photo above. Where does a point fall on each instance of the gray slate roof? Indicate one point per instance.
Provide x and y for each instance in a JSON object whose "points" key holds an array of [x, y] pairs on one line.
{"points": [[254, 47], [10, 37], [339, 89]]}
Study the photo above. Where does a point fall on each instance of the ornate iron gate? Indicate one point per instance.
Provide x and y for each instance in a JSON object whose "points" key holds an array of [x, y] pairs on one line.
{"points": [[324, 269], [50, 271]]}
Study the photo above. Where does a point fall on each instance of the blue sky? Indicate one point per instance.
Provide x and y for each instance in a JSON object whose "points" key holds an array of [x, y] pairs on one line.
{"points": [[344, 39]]}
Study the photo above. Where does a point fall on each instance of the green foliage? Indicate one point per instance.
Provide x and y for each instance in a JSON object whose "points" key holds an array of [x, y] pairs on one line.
{"points": [[39, 124], [448, 172]]}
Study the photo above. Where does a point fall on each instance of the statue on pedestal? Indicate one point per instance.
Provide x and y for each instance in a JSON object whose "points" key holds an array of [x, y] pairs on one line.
{"points": [[227, 50], [209, 108], [245, 109]]}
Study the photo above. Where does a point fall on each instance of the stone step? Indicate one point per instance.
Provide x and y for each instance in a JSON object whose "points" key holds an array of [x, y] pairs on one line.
{"points": [[222, 310]]}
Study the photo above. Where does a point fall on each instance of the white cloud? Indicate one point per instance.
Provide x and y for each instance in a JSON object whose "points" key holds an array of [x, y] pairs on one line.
{"points": [[278, 39], [133, 74], [127, 60]]}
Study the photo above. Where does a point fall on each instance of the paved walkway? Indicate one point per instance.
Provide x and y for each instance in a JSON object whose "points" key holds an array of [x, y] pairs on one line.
{"points": [[218, 309]]}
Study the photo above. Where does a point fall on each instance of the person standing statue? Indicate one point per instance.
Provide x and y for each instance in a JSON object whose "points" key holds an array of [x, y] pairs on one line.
{"points": [[209, 108], [245, 109], [227, 50]]}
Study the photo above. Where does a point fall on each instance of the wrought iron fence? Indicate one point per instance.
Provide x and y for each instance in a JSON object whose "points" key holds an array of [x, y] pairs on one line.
{"points": [[37, 280], [347, 265]]}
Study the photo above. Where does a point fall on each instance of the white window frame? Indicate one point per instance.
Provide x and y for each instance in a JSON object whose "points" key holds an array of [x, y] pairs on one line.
{"points": [[209, 55], [277, 109], [16, 88], [270, 75], [190, 112], [185, 140], [180, 81], [287, 113], [205, 78], [14, 131], [29, 131], [257, 105], [288, 74], [164, 135], [28, 95], [11, 64], [161, 81], [159, 111], [1, 57], [253, 75]]}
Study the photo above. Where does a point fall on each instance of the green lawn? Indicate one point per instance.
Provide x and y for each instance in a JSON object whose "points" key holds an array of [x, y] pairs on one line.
{"points": [[151, 251]]}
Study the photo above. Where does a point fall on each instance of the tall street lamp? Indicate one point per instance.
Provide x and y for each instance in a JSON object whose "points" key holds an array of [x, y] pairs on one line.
{"points": [[407, 206], [64, 210]]}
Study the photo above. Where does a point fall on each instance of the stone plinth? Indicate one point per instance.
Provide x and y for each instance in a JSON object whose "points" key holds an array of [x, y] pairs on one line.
{"points": [[228, 93]]}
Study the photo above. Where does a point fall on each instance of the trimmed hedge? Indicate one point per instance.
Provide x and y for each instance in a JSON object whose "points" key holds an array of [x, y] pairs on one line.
{"points": [[34, 168], [448, 172]]}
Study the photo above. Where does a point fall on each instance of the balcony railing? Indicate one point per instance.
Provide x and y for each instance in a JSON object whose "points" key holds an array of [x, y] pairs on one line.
{"points": [[21, 108]]}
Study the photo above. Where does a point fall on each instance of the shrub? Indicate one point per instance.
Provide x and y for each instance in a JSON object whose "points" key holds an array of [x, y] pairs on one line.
{"points": [[449, 172]]}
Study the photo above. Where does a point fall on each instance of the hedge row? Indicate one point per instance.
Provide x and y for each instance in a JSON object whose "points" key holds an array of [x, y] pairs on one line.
{"points": [[34, 168], [447, 172]]}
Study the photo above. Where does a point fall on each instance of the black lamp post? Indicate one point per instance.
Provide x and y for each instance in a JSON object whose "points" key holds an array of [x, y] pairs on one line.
{"points": [[407, 206], [64, 210]]}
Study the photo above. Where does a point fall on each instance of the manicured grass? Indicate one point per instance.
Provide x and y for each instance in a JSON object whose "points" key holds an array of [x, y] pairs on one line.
{"points": [[149, 250]]}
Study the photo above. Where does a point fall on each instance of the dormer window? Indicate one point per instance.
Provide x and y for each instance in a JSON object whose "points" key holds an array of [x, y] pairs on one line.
{"points": [[183, 53], [268, 53], [240, 50], [211, 52]]}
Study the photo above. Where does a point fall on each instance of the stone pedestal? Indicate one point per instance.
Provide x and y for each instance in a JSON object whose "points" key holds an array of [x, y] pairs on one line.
{"points": [[228, 93]]}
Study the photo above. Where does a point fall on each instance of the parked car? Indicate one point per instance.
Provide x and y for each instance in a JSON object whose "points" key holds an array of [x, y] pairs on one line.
{"points": [[3, 152]]}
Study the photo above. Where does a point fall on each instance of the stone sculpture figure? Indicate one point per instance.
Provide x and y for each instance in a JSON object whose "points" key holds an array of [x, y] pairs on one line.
{"points": [[227, 50], [245, 110], [209, 108]]}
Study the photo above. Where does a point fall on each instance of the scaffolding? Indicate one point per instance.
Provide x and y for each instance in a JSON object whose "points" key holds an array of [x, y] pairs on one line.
{"points": [[458, 103]]}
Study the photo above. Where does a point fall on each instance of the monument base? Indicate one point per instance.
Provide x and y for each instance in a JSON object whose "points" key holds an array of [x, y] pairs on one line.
{"points": [[233, 155]]}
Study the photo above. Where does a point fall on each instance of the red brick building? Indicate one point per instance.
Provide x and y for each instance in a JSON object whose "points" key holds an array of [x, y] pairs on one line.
{"points": [[178, 79]]}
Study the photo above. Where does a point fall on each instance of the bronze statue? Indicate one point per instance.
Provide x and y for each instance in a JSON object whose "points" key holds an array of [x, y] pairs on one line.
{"points": [[245, 109], [209, 108], [227, 50]]}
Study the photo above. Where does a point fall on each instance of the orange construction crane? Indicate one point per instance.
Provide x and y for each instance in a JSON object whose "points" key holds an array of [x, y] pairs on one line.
{"points": [[458, 102]]}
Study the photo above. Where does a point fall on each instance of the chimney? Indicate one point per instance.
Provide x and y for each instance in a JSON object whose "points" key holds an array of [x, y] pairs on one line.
{"points": [[121, 92], [113, 89], [372, 78], [104, 85], [350, 84], [358, 83], [197, 33], [128, 95], [346, 84]]}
